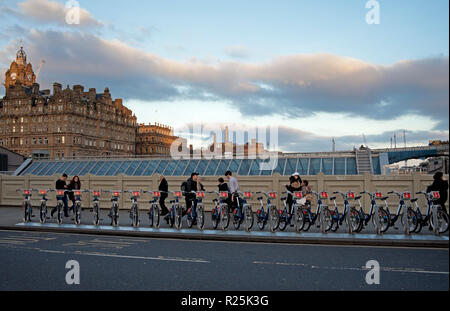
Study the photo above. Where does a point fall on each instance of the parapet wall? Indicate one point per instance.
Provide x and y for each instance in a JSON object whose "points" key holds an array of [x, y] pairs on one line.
{"points": [[413, 183]]}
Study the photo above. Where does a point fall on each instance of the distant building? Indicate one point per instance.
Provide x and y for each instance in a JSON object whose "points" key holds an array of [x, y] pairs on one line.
{"points": [[434, 165], [154, 139]]}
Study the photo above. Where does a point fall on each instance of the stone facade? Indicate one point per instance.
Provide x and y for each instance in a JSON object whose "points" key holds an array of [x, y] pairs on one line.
{"points": [[71, 123], [154, 139]]}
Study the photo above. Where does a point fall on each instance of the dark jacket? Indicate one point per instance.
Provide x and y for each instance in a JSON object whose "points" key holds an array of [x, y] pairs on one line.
{"points": [[441, 186], [292, 189], [193, 186], [61, 185], [224, 187], [73, 186], [164, 188]]}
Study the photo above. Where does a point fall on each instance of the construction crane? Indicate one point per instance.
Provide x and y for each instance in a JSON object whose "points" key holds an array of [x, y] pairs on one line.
{"points": [[38, 70]]}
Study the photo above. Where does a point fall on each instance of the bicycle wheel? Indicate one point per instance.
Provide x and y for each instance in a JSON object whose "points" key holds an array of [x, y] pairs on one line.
{"points": [[383, 218], [420, 223], [26, 217], [96, 215], [412, 220], [43, 213], [200, 217], [115, 216], [215, 218], [172, 217], [274, 219], [442, 218], [299, 219], [283, 221], [156, 216], [327, 219], [190, 217], [355, 219], [249, 218], [237, 219], [135, 217], [225, 217], [178, 216], [261, 221], [77, 213]]}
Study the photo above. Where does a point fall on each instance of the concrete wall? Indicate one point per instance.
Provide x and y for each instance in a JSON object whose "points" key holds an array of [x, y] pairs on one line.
{"points": [[413, 183]]}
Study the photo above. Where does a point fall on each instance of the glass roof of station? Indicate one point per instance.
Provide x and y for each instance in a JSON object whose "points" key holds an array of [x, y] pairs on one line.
{"points": [[168, 167]]}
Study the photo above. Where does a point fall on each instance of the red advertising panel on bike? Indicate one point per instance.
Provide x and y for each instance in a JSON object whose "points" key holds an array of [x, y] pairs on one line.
{"points": [[200, 194], [351, 195], [436, 195], [96, 193], [407, 195], [273, 195], [77, 193], [324, 195], [43, 192], [379, 195], [136, 193], [157, 194], [27, 192], [224, 194], [178, 194], [298, 195], [60, 192], [116, 194], [248, 194]]}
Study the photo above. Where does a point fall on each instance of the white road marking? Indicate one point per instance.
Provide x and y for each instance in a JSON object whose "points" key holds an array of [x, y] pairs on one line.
{"points": [[160, 258], [387, 269]]}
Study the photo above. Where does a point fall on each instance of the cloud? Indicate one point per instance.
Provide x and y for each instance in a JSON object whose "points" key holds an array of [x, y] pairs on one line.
{"points": [[237, 51], [45, 11], [292, 86]]}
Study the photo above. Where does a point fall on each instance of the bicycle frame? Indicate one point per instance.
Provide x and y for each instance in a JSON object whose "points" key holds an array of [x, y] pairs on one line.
{"points": [[28, 210], [134, 210], [401, 206], [96, 206]]}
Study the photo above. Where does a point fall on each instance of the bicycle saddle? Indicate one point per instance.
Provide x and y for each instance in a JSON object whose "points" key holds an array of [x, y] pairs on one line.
{"points": [[283, 199], [358, 197], [215, 201], [172, 202], [384, 198], [414, 200], [260, 198], [333, 198]]}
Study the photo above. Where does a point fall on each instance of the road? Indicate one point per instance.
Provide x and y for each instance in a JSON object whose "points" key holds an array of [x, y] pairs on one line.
{"points": [[37, 261]]}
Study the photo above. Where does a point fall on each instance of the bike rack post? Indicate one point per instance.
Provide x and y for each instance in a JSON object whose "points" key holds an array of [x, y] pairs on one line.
{"points": [[405, 220], [377, 221], [435, 220], [349, 223]]}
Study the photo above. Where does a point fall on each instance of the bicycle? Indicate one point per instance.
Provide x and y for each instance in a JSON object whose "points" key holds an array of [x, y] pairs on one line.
{"points": [[114, 212], [271, 216], [196, 215], [409, 217], [60, 195], [381, 221], [175, 215], [96, 206], [134, 210], [243, 213], [436, 216], [26, 205], [43, 211], [77, 208], [286, 215], [220, 212], [154, 211], [323, 214], [350, 214]]}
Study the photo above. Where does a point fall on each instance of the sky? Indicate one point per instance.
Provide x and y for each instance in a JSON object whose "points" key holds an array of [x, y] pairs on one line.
{"points": [[313, 69]]}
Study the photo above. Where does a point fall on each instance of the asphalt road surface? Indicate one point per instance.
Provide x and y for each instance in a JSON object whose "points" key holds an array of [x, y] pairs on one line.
{"points": [[37, 261]]}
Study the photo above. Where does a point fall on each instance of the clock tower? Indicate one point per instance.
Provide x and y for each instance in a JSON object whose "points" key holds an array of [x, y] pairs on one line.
{"points": [[20, 72]]}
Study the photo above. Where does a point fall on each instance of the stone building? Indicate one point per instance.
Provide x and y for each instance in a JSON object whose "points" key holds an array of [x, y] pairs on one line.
{"points": [[71, 123], [68, 123], [154, 139]]}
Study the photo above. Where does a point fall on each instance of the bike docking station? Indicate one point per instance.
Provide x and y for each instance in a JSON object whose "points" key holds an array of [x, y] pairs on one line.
{"points": [[299, 217]]}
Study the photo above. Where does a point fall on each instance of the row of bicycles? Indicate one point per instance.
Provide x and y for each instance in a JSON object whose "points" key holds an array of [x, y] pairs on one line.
{"points": [[296, 212]]}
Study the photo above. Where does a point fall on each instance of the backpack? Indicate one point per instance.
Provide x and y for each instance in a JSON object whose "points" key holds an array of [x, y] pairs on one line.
{"points": [[184, 186]]}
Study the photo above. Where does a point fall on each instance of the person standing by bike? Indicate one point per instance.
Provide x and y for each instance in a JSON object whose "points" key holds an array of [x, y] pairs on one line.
{"points": [[233, 185], [192, 184], [223, 187], [294, 186], [61, 185], [441, 185], [164, 189], [75, 184]]}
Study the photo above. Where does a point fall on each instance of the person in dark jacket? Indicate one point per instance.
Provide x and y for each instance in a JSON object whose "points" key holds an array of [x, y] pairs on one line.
{"points": [[294, 186], [164, 189], [223, 187], [193, 184], [61, 185], [75, 184], [441, 185]]}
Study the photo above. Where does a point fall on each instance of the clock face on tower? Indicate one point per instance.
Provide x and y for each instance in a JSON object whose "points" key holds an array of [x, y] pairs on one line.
{"points": [[14, 76], [29, 77]]}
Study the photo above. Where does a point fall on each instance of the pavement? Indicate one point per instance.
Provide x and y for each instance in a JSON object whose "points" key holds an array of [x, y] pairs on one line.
{"points": [[10, 219], [34, 261]]}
